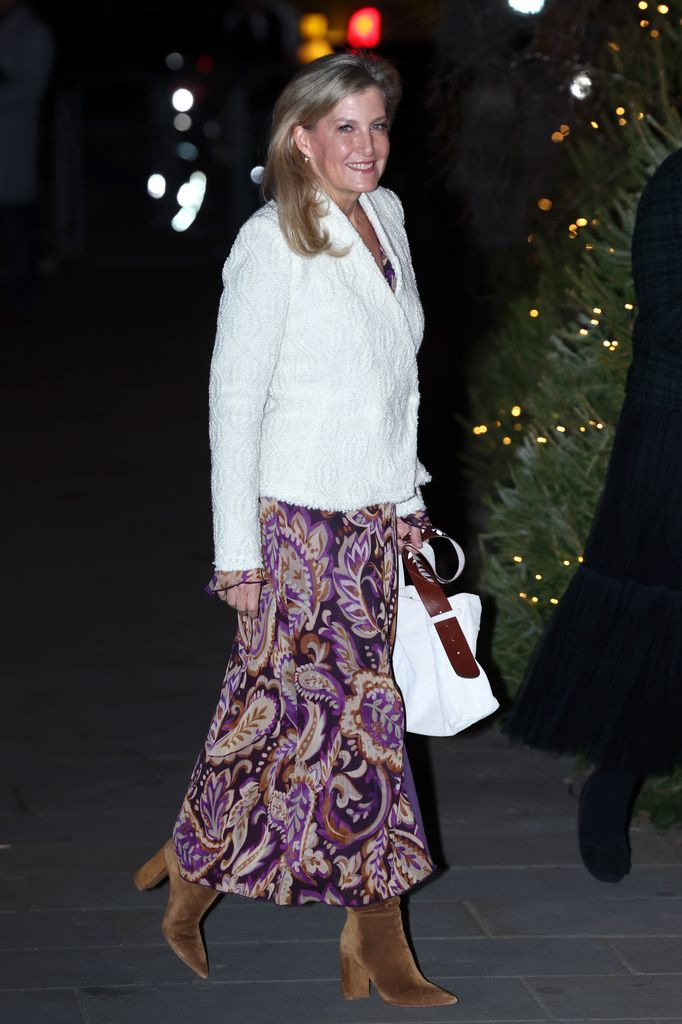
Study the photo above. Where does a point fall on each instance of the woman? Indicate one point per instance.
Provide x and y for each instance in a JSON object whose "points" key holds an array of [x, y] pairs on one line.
{"points": [[605, 678], [303, 791]]}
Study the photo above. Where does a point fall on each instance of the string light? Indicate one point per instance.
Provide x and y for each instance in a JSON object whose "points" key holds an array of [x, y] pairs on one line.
{"points": [[598, 310], [535, 599], [628, 305], [663, 9], [562, 430], [544, 204], [583, 331], [538, 576], [482, 429], [594, 124], [642, 5], [620, 110], [516, 410], [541, 440], [553, 600], [534, 313], [566, 561], [518, 558], [654, 33], [506, 440], [523, 595]]}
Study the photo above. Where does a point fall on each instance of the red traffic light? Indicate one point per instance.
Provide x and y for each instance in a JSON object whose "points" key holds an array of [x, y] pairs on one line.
{"points": [[364, 27]]}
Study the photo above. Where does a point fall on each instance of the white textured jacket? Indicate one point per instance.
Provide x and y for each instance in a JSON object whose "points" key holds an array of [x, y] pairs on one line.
{"points": [[313, 385]]}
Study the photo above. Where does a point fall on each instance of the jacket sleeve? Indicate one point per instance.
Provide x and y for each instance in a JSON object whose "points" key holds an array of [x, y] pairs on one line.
{"points": [[251, 319]]}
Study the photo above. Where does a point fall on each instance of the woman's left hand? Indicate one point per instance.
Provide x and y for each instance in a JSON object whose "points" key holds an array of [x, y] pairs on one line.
{"points": [[409, 536]]}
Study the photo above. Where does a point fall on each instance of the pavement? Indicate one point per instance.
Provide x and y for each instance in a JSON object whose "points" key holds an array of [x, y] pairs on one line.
{"points": [[113, 659]]}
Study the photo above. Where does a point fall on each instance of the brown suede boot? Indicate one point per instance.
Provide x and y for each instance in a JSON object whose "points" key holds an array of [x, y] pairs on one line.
{"points": [[187, 904], [374, 948]]}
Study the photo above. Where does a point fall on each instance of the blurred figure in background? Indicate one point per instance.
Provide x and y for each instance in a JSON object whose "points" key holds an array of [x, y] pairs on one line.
{"points": [[26, 62]]}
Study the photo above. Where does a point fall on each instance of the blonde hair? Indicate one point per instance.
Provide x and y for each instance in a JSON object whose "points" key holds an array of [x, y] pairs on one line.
{"points": [[311, 94]]}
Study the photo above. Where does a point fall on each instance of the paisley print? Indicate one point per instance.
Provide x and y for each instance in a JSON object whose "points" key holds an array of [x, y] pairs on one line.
{"points": [[302, 791]]}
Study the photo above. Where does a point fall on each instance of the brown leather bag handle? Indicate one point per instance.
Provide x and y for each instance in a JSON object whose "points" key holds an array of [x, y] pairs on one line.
{"points": [[436, 603]]}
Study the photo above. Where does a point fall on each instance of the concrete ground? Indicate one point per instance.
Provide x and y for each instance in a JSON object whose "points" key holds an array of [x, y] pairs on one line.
{"points": [[113, 659]]}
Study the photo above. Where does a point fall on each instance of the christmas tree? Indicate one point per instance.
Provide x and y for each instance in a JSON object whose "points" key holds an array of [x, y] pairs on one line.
{"points": [[548, 386]]}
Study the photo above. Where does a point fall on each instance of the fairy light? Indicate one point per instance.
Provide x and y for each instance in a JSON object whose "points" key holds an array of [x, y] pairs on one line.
{"points": [[595, 323], [516, 410], [523, 595], [545, 204], [534, 313], [644, 23], [595, 124], [655, 34], [642, 5], [541, 440], [518, 558], [535, 599], [553, 600], [620, 111], [614, 47], [538, 575], [506, 440], [628, 305], [566, 562], [581, 559], [589, 246], [598, 310], [518, 426], [562, 430], [482, 429], [582, 222], [622, 121], [583, 331], [641, 115], [606, 343], [557, 137], [663, 9]]}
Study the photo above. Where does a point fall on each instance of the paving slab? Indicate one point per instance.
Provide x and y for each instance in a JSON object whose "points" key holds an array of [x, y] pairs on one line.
{"points": [[609, 915], [55, 929], [40, 1007], [290, 1002], [615, 997], [651, 955]]}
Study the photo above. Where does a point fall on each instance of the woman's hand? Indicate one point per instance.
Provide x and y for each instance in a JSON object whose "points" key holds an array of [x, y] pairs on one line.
{"points": [[409, 535], [239, 591]]}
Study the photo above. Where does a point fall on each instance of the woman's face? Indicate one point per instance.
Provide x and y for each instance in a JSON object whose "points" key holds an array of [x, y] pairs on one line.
{"points": [[348, 148]]}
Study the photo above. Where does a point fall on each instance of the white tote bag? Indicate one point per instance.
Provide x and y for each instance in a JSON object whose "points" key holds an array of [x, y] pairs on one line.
{"points": [[443, 694]]}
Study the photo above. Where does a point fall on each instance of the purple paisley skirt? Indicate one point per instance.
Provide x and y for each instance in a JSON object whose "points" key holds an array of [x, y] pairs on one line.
{"points": [[303, 791]]}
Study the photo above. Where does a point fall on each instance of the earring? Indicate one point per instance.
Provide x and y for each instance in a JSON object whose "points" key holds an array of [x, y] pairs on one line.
{"points": [[305, 159]]}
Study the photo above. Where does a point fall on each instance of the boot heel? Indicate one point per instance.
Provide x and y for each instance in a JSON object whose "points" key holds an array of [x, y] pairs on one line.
{"points": [[354, 979], [151, 873]]}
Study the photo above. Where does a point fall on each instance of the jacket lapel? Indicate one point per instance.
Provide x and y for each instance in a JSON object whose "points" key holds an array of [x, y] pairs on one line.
{"points": [[403, 304]]}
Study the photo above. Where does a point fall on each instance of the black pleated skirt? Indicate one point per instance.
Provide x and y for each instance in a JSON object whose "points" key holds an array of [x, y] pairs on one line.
{"points": [[605, 679]]}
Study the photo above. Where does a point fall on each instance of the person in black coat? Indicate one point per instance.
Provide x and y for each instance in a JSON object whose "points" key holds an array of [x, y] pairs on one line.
{"points": [[605, 679]]}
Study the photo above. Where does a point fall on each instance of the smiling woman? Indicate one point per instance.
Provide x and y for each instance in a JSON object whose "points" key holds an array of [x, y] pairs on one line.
{"points": [[303, 791]]}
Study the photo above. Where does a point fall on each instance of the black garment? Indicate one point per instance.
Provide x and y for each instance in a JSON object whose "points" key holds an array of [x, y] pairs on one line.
{"points": [[606, 677]]}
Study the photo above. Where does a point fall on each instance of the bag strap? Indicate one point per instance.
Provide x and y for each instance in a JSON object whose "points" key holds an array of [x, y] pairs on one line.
{"points": [[429, 533], [426, 583]]}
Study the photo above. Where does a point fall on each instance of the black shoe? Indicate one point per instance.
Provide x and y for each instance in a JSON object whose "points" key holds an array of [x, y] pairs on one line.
{"points": [[603, 819]]}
